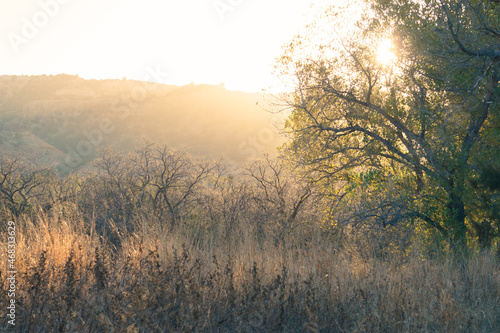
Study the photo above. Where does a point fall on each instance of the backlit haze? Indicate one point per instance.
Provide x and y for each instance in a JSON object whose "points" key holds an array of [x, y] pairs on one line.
{"points": [[233, 42]]}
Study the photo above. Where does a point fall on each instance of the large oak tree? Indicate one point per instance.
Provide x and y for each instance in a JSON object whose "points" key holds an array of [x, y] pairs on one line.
{"points": [[419, 128]]}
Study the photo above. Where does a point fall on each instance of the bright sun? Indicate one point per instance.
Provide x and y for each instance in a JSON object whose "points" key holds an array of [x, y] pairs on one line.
{"points": [[384, 54]]}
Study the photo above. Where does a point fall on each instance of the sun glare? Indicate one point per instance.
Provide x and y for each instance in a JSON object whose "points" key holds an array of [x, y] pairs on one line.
{"points": [[205, 42], [385, 56]]}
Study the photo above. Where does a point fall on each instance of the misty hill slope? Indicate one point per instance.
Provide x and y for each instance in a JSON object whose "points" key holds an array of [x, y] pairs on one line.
{"points": [[65, 119]]}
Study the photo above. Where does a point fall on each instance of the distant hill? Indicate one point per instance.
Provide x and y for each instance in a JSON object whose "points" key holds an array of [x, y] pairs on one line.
{"points": [[63, 119]]}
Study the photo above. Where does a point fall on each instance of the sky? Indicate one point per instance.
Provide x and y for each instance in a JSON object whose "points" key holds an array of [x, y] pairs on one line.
{"points": [[234, 42]]}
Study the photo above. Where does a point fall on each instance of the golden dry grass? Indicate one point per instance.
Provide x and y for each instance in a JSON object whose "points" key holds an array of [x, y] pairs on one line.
{"points": [[71, 281]]}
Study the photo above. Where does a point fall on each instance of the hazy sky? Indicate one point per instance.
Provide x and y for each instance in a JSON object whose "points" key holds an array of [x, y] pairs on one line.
{"points": [[200, 41]]}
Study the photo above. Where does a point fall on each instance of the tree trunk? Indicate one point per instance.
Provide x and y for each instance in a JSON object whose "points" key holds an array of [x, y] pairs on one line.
{"points": [[456, 218]]}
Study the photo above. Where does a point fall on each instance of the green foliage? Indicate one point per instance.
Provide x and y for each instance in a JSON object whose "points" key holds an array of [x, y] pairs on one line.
{"points": [[400, 140]]}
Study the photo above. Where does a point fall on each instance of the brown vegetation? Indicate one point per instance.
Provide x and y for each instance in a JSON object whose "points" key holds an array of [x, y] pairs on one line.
{"points": [[158, 281], [102, 252]]}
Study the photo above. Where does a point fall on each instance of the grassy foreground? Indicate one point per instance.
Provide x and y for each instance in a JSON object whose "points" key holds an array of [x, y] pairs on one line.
{"points": [[73, 281]]}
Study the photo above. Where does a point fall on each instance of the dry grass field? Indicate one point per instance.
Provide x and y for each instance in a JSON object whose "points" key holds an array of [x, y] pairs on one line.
{"points": [[157, 281]]}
